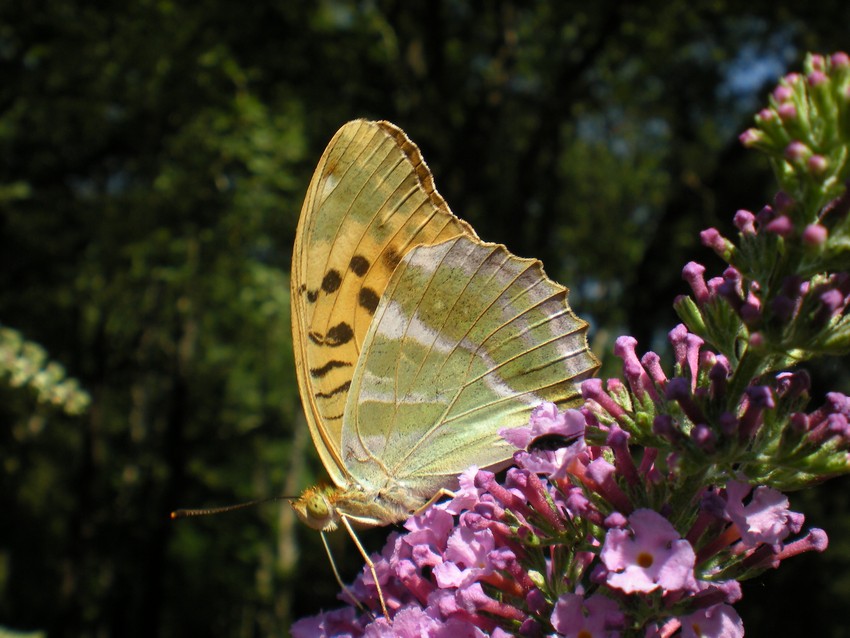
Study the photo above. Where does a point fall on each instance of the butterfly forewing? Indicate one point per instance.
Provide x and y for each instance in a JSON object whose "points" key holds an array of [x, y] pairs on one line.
{"points": [[371, 200], [466, 339]]}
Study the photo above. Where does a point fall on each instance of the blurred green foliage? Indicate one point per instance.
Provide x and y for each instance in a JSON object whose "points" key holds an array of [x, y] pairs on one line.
{"points": [[153, 159], [24, 364]]}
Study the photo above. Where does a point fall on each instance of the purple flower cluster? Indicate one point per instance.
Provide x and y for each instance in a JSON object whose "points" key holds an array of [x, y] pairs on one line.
{"points": [[761, 433], [799, 99], [568, 544], [815, 303], [804, 132]]}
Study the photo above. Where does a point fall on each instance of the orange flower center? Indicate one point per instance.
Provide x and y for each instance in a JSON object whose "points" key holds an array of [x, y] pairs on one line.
{"points": [[645, 559]]}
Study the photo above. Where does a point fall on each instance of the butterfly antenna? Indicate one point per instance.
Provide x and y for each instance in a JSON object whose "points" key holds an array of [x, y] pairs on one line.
{"points": [[209, 511]]}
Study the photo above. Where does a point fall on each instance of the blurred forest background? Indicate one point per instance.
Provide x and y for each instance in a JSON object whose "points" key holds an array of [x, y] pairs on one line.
{"points": [[153, 160]]}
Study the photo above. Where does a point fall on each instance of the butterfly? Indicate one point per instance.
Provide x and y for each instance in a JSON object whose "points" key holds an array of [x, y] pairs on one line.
{"points": [[415, 341]]}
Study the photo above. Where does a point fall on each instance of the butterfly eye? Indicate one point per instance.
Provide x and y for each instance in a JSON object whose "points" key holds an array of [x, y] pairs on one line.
{"points": [[317, 507], [314, 509]]}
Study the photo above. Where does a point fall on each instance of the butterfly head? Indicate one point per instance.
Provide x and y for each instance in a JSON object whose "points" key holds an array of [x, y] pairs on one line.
{"points": [[315, 508]]}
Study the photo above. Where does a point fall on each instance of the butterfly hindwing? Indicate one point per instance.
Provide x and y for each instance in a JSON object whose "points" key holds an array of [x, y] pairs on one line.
{"points": [[466, 340], [371, 200]]}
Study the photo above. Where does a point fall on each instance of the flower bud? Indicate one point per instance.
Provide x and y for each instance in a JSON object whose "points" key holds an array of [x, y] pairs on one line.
{"points": [[816, 78], [817, 164], [782, 93], [787, 111], [782, 226], [711, 238], [751, 137], [797, 151], [745, 223], [815, 235], [782, 202], [839, 60], [693, 274]]}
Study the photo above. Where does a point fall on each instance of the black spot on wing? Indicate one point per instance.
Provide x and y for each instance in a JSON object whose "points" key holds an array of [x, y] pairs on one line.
{"points": [[359, 265], [331, 281], [318, 373], [337, 390], [312, 295], [391, 258], [338, 335], [368, 299]]}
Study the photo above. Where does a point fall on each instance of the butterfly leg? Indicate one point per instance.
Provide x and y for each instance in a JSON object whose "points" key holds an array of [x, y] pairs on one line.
{"points": [[369, 562], [443, 493]]}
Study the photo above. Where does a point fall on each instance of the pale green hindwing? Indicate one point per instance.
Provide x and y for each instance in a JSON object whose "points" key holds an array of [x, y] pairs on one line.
{"points": [[466, 339]]}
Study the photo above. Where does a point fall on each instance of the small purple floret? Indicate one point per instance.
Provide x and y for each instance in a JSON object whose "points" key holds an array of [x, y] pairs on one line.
{"points": [[764, 519], [575, 616], [719, 620], [650, 556]]}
